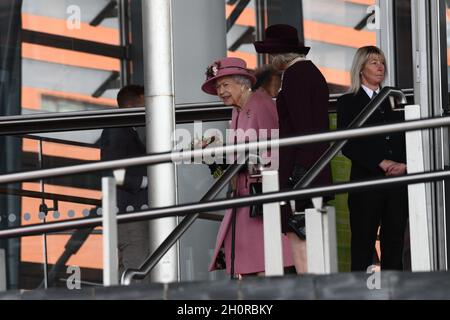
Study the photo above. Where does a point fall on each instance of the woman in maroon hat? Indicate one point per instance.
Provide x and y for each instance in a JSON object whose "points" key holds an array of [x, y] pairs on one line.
{"points": [[302, 107], [229, 79]]}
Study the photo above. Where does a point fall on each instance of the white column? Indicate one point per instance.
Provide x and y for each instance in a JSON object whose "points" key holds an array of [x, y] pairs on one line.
{"points": [[385, 36], [314, 241], [273, 250], [321, 240], [160, 122], [330, 240], [417, 200], [109, 217]]}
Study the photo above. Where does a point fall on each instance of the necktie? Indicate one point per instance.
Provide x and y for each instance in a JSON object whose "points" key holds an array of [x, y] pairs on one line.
{"points": [[374, 94]]}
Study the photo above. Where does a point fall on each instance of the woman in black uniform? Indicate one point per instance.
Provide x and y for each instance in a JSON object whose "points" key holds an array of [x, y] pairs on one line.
{"points": [[373, 157]]}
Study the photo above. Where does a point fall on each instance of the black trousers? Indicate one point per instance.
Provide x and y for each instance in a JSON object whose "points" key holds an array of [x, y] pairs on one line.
{"points": [[387, 209]]}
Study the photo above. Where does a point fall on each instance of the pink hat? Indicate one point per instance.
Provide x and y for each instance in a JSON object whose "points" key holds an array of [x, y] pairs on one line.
{"points": [[222, 68]]}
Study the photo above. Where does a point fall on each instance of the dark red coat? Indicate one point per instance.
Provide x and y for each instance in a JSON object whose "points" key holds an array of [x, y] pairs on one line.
{"points": [[302, 109]]}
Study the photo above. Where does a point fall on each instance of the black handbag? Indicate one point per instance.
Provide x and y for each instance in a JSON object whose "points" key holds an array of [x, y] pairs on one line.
{"points": [[256, 210], [298, 225], [297, 221], [297, 173]]}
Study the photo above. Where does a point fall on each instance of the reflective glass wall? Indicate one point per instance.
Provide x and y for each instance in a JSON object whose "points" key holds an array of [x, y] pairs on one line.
{"points": [[60, 69], [62, 56], [334, 29], [71, 56]]}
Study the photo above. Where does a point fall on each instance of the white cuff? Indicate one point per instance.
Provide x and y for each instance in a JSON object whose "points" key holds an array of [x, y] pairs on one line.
{"points": [[120, 176], [144, 183]]}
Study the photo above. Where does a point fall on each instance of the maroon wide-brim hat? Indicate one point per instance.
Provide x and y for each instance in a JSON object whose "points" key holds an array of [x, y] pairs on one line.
{"points": [[281, 38], [222, 68]]}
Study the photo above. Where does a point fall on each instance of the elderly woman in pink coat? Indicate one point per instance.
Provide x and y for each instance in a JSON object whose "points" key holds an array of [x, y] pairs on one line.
{"points": [[229, 79]]}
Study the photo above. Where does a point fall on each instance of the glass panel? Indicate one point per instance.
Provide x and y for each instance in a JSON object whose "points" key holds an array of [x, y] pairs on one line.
{"points": [[26, 255], [73, 19], [334, 29], [73, 80], [197, 244], [78, 196]]}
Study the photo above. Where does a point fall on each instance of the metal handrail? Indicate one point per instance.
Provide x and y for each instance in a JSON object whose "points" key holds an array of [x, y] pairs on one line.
{"points": [[60, 141], [360, 119], [151, 261], [49, 196], [109, 118], [186, 209], [73, 199], [179, 156]]}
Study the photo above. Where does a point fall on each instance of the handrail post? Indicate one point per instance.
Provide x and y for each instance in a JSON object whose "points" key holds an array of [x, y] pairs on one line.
{"points": [[417, 201], [110, 254], [273, 249], [321, 244]]}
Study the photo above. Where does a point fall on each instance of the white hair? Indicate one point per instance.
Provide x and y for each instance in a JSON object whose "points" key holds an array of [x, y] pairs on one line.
{"points": [[280, 61], [242, 80]]}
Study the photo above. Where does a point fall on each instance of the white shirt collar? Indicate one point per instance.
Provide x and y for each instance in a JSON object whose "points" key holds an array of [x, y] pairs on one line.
{"points": [[290, 64], [370, 91]]}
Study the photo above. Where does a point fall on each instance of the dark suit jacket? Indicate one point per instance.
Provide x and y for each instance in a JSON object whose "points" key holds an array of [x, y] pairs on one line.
{"points": [[121, 143], [366, 153], [303, 109], [302, 106]]}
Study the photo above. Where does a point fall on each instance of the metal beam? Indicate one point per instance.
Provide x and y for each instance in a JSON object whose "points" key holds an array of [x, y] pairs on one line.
{"points": [[235, 14], [160, 125], [61, 42], [109, 11], [88, 120]]}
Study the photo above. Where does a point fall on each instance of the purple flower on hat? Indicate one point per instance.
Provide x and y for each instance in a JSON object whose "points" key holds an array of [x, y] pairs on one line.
{"points": [[227, 66], [212, 70]]}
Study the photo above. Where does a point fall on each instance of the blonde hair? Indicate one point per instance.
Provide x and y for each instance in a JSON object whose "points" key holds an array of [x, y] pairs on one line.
{"points": [[362, 56], [281, 60]]}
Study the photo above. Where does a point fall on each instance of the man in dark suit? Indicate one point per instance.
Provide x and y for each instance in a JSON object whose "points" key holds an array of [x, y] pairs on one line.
{"points": [[120, 143], [302, 105]]}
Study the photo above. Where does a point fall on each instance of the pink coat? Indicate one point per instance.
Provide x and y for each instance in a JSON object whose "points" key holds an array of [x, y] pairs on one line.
{"points": [[259, 113]]}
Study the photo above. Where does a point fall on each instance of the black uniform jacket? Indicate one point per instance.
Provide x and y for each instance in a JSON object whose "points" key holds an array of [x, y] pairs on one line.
{"points": [[366, 153]]}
